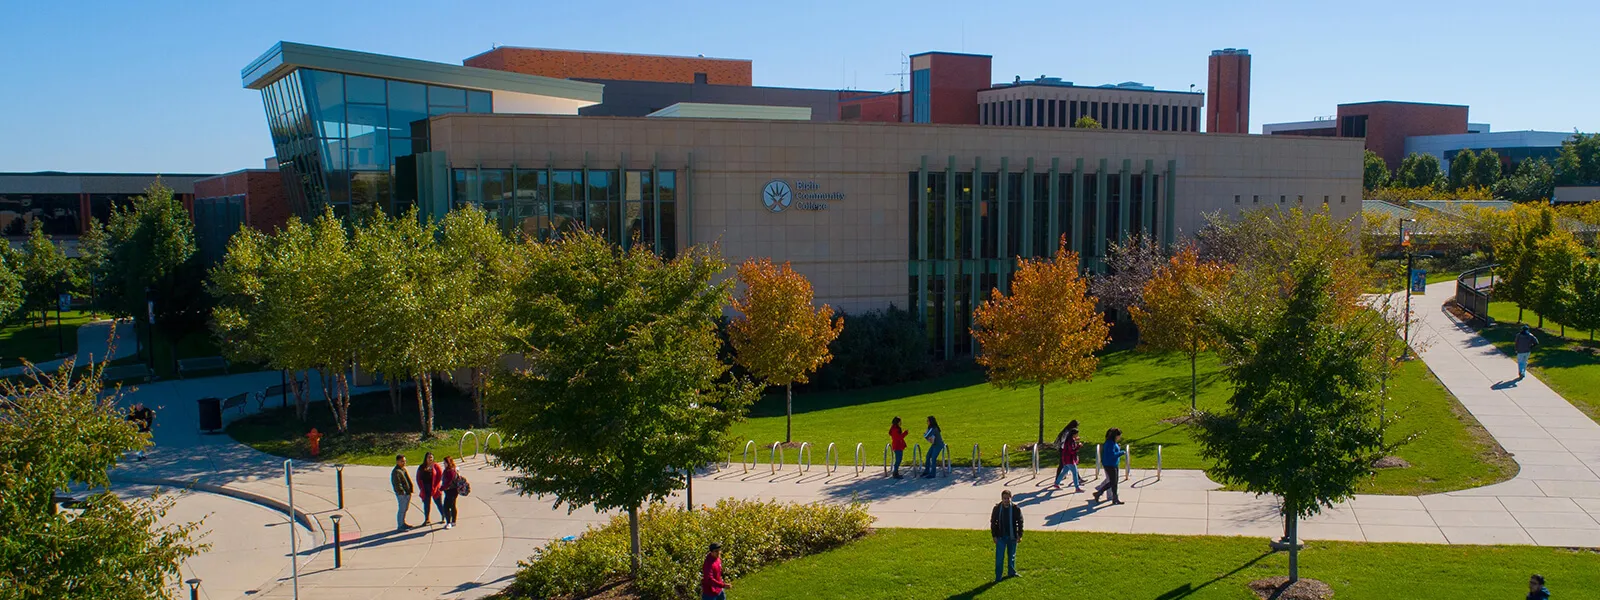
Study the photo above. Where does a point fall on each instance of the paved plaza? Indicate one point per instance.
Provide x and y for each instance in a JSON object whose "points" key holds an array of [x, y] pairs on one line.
{"points": [[1553, 501]]}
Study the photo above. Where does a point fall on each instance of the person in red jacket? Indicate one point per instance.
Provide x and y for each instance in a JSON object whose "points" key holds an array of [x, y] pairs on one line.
{"points": [[712, 587], [897, 443], [448, 510], [430, 482]]}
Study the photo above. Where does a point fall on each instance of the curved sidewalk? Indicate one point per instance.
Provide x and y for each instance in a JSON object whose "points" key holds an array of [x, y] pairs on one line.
{"points": [[93, 344]]}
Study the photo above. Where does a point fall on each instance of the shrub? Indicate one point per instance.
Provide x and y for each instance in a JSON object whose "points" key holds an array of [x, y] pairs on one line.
{"points": [[877, 347], [753, 534]]}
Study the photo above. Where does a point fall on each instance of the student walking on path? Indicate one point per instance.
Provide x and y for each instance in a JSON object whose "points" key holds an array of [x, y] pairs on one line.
{"points": [[429, 484], [400, 480], [1111, 454], [935, 439], [712, 587], [1069, 444], [1005, 525], [1525, 343], [897, 443], [448, 483]]}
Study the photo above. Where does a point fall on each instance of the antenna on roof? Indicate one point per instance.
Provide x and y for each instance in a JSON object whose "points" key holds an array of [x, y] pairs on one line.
{"points": [[905, 65]]}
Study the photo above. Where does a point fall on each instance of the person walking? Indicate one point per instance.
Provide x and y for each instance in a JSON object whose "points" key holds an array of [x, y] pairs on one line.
{"points": [[144, 418], [1536, 589], [712, 586], [400, 480], [897, 443], [1069, 458], [1525, 342], [935, 439], [429, 484], [448, 484], [1005, 525], [1111, 454]]}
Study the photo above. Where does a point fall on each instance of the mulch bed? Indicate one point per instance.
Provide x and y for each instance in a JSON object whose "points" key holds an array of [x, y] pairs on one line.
{"points": [[1277, 588]]}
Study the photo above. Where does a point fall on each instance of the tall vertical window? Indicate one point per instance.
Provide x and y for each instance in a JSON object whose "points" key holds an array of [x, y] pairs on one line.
{"points": [[1027, 118], [921, 97]]}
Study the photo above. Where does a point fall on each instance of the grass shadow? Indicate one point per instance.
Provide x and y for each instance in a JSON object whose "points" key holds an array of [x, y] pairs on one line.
{"points": [[1186, 590]]}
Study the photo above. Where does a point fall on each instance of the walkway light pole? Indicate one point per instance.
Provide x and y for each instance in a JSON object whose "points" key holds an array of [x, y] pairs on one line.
{"points": [[1405, 246], [294, 536]]}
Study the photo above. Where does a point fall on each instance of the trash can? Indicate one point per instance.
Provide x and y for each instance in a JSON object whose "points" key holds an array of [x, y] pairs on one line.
{"points": [[210, 414]]}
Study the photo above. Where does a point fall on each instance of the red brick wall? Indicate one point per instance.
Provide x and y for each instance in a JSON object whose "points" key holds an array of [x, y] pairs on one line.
{"points": [[265, 208], [882, 108], [1390, 123], [569, 64], [954, 81], [1228, 91]]}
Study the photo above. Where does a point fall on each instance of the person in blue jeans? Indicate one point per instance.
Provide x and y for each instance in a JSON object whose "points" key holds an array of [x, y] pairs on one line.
{"points": [[1005, 525], [935, 445]]}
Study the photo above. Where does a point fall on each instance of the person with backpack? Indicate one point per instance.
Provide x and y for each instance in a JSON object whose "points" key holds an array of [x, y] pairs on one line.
{"points": [[448, 483], [400, 480], [1069, 444], [1005, 525], [144, 418], [430, 484], [935, 439], [897, 443], [1111, 454], [1525, 342]]}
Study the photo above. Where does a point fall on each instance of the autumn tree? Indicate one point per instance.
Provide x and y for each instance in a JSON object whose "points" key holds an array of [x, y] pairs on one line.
{"points": [[1555, 254], [1046, 330], [1582, 296], [1173, 316], [780, 335]]}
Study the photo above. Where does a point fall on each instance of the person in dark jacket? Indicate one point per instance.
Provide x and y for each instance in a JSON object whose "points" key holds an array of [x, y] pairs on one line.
{"points": [[712, 586], [430, 482], [1525, 343], [1111, 454], [448, 484], [897, 443], [144, 418], [1536, 589], [400, 480], [1005, 525]]}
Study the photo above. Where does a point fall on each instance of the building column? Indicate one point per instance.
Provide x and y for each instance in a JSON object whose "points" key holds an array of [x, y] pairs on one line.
{"points": [[1125, 201], [1102, 204], [1002, 241], [977, 232], [1146, 199], [951, 262], [687, 203], [921, 257], [1075, 236], [1169, 235], [1053, 210]]}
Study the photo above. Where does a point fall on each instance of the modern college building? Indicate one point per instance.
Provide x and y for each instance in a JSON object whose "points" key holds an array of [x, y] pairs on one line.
{"points": [[925, 216]]}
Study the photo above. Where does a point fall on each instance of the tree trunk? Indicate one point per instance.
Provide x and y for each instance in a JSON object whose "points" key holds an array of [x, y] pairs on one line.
{"points": [[1519, 312], [344, 403], [427, 423], [1294, 547], [788, 411], [422, 416], [1194, 380], [1041, 417], [635, 553], [394, 394], [477, 397]]}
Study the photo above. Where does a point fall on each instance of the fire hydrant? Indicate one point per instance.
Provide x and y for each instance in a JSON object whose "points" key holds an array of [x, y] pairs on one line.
{"points": [[316, 441]]}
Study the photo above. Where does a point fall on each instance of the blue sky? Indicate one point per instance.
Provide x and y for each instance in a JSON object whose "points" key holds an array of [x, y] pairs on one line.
{"points": [[154, 85]]}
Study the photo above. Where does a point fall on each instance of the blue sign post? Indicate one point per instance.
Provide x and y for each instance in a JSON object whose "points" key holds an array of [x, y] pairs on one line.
{"points": [[1419, 281]]}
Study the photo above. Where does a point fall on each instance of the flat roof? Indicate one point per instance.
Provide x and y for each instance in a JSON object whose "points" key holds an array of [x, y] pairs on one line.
{"points": [[1110, 87], [950, 54], [698, 57], [1403, 102], [700, 110], [284, 57]]}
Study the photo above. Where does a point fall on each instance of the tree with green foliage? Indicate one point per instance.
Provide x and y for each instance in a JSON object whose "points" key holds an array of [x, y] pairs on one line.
{"points": [[151, 257], [46, 273], [1419, 171], [58, 432], [625, 392], [1463, 170], [1582, 296], [1374, 172], [11, 293], [1086, 122], [1305, 367], [481, 270], [93, 253], [1486, 169], [1533, 180], [1579, 160], [1554, 256], [1514, 252]]}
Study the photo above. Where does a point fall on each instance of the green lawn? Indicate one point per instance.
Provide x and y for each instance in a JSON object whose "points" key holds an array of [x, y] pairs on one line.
{"points": [[1143, 393], [937, 563], [26, 338], [1570, 366], [377, 433]]}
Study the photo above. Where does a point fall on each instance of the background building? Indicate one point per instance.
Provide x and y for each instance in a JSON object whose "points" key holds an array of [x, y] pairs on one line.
{"points": [[1512, 146], [225, 203], [1051, 102], [65, 202], [1394, 130], [1228, 83]]}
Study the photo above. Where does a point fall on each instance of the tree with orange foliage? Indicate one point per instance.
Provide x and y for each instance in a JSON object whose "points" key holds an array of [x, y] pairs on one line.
{"points": [[1173, 315], [1046, 331], [780, 336]]}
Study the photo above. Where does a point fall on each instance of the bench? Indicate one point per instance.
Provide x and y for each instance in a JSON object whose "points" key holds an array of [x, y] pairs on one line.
{"points": [[140, 372], [277, 390], [206, 363], [235, 401]]}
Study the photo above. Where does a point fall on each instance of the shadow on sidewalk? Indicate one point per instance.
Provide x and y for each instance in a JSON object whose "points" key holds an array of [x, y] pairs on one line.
{"points": [[472, 585], [877, 487]]}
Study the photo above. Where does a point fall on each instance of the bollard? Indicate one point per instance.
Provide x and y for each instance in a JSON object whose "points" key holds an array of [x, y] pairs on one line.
{"points": [[194, 588], [1158, 462], [338, 476], [338, 555]]}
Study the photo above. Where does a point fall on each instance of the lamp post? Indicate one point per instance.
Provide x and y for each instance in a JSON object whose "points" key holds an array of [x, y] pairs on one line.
{"points": [[194, 588], [338, 553], [1405, 246], [150, 325]]}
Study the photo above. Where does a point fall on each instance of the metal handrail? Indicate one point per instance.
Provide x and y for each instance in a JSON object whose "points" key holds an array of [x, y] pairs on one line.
{"points": [[460, 444], [1005, 459], [1036, 461], [775, 457], [859, 467], [803, 458], [976, 466], [746, 460], [833, 453]]}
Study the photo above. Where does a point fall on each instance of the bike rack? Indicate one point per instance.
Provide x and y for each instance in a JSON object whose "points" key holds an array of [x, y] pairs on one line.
{"points": [[976, 466], [1036, 461], [944, 459], [916, 454], [493, 435], [1127, 455], [859, 467], [1158, 462], [746, 460], [886, 452], [832, 453], [462, 443], [1005, 459], [803, 459], [775, 457]]}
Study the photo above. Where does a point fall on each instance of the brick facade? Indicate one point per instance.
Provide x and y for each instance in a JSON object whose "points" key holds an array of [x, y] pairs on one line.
{"points": [[265, 206], [955, 80], [1228, 85], [1388, 124], [877, 108], [570, 64]]}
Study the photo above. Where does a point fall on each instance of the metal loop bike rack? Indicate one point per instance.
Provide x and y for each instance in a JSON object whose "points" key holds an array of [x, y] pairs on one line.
{"points": [[830, 453], [775, 457], [1036, 460], [803, 458], [1005, 459], [747, 460], [916, 454], [859, 467], [460, 444], [944, 459], [976, 466], [1127, 455], [886, 452], [493, 435]]}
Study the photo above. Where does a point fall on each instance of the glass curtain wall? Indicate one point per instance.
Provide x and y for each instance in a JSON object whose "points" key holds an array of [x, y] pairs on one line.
{"points": [[627, 207]]}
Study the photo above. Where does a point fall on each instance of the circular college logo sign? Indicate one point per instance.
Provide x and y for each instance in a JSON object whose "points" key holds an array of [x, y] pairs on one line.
{"points": [[777, 196]]}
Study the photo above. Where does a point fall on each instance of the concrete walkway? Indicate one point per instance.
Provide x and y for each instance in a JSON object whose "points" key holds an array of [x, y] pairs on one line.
{"points": [[93, 341], [1553, 501]]}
